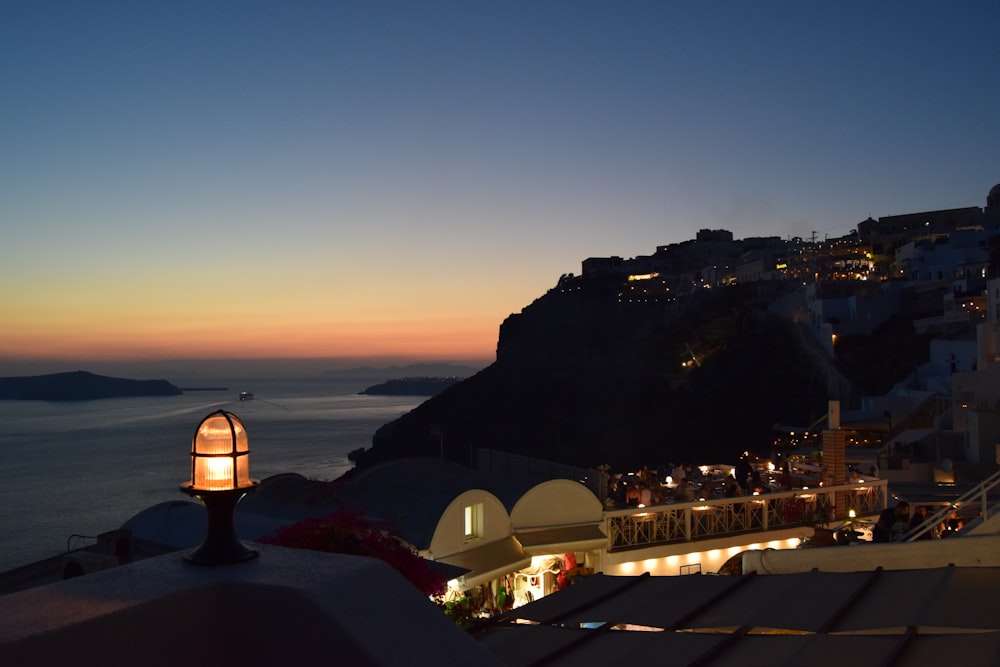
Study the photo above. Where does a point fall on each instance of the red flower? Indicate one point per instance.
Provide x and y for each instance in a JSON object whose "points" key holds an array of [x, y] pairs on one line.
{"points": [[347, 532]]}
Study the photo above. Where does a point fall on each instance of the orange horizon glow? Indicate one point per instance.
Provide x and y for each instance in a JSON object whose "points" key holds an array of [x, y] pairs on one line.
{"points": [[102, 319], [422, 339]]}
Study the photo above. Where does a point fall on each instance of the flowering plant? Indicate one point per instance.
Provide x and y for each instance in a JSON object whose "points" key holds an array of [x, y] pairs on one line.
{"points": [[347, 532], [818, 514]]}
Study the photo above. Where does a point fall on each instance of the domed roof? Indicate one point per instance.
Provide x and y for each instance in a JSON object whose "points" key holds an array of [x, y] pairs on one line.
{"points": [[993, 198]]}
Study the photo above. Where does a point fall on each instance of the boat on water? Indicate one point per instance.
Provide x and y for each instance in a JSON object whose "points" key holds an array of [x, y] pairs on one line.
{"points": [[246, 395]]}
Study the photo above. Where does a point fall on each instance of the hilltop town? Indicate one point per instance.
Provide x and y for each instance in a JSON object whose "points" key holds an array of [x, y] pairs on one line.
{"points": [[711, 347]]}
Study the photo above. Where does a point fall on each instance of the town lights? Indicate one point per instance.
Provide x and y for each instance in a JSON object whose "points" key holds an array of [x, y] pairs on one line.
{"points": [[220, 477]]}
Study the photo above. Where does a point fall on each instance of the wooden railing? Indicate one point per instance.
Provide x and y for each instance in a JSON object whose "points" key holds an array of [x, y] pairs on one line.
{"points": [[670, 523]]}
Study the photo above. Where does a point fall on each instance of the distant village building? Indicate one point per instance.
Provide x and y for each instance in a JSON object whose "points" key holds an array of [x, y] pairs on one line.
{"points": [[597, 266], [889, 232]]}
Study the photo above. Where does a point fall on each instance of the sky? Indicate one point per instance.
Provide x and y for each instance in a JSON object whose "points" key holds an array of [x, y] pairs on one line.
{"points": [[283, 179]]}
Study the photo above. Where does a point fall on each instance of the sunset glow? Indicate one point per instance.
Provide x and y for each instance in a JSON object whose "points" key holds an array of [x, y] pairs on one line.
{"points": [[223, 179]]}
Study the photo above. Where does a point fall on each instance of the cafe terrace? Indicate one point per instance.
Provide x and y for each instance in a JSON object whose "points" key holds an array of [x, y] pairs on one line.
{"points": [[486, 527]]}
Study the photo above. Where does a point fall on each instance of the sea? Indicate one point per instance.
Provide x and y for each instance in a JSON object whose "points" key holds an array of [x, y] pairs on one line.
{"points": [[72, 470]]}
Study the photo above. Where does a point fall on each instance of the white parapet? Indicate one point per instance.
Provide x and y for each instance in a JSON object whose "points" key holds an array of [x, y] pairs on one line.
{"points": [[968, 551]]}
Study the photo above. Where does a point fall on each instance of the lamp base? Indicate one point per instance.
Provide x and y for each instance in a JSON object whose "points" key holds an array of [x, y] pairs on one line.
{"points": [[221, 545], [210, 554]]}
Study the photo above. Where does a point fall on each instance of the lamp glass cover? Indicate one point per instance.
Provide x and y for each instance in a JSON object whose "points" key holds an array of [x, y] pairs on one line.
{"points": [[220, 454]]}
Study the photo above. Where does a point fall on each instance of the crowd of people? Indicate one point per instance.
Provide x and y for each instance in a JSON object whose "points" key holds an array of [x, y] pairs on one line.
{"points": [[895, 522], [683, 483]]}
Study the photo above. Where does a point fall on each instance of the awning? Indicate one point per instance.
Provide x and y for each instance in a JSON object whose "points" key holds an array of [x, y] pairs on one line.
{"points": [[545, 541], [911, 618], [447, 571], [489, 561]]}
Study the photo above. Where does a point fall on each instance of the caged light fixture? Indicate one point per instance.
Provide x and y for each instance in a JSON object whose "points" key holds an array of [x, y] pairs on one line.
{"points": [[220, 477]]}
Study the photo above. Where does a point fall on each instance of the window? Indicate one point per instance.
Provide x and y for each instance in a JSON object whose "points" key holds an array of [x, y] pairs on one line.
{"points": [[473, 522]]}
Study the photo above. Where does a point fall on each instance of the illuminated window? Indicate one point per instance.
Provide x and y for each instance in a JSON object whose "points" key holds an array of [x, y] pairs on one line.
{"points": [[473, 522]]}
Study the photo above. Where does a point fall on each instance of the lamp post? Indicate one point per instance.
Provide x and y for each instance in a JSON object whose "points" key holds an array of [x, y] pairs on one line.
{"points": [[220, 477]]}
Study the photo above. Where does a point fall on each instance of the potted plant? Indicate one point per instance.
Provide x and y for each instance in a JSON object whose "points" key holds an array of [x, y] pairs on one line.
{"points": [[817, 515]]}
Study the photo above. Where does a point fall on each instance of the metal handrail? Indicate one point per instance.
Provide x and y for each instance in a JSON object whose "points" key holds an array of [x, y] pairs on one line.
{"points": [[981, 490], [75, 536], [717, 517]]}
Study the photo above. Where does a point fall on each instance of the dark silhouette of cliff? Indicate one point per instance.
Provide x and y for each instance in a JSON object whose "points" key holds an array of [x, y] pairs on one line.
{"points": [[583, 379], [80, 386], [411, 386]]}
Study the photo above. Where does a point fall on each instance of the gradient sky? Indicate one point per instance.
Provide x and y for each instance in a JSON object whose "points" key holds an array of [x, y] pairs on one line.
{"points": [[356, 179]]}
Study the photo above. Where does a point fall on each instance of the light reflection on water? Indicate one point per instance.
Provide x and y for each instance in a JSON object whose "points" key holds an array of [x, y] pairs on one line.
{"points": [[87, 467]]}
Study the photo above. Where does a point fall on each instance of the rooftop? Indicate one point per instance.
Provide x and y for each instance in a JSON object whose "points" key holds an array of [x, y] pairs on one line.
{"points": [[287, 606]]}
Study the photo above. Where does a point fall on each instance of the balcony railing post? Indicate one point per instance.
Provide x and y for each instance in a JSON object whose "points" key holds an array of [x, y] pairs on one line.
{"points": [[679, 522]]}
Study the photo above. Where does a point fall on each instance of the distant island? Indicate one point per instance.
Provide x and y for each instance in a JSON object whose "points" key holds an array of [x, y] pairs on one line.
{"points": [[80, 386], [411, 386]]}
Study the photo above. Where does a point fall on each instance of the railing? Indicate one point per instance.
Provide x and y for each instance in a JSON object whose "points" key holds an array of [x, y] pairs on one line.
{"points": [[74, 542], [706, 519], [978, 493]]}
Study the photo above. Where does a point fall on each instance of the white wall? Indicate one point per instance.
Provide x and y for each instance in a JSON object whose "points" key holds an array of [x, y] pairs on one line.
{"points": [[677, 559], [557, 502], [449, 536], [954, 356]]}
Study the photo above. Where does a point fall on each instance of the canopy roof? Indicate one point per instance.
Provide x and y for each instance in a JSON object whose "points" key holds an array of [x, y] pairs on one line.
{"points": [[904, 617]]}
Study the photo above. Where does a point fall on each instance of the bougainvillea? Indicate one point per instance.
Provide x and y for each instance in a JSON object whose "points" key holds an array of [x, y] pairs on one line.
{"points": [[347, 532]]}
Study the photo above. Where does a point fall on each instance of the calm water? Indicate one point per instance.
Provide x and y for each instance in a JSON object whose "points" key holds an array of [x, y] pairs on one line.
{"points": [[84, 468]]}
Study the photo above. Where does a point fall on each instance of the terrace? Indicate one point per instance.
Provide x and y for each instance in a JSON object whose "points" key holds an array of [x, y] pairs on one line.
{"points": [[681, 522]]}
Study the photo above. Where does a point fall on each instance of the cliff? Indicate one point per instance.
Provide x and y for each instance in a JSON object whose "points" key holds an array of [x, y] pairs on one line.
{"points": [[584, 379], [80, 386]]}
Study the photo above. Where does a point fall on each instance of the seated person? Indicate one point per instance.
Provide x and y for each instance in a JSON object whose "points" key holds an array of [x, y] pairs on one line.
{"points": [[918, 519], [632, 495], [659, 495], [684, 492]]}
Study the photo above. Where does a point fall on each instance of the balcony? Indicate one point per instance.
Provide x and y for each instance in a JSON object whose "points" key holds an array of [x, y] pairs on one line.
{"points": [[674, 523]]}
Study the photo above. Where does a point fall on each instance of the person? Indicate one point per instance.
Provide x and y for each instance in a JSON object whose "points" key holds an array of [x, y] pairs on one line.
{"points": [[951, 527], [743, 472], [683, 492], [787, 482], [919, 517], [632, 495], [659, 496], [616, 492], [887, 520]]}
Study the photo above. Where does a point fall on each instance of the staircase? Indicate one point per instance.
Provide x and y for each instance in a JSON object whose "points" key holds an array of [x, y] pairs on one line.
{"points": [[987, 523]]}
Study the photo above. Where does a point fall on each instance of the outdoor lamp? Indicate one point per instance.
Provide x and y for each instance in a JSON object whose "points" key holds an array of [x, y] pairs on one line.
{"points": [[220, 477]]}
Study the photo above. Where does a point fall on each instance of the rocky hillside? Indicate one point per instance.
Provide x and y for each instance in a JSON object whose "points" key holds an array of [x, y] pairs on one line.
{"points": [[583, 379], [80, 386]]}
